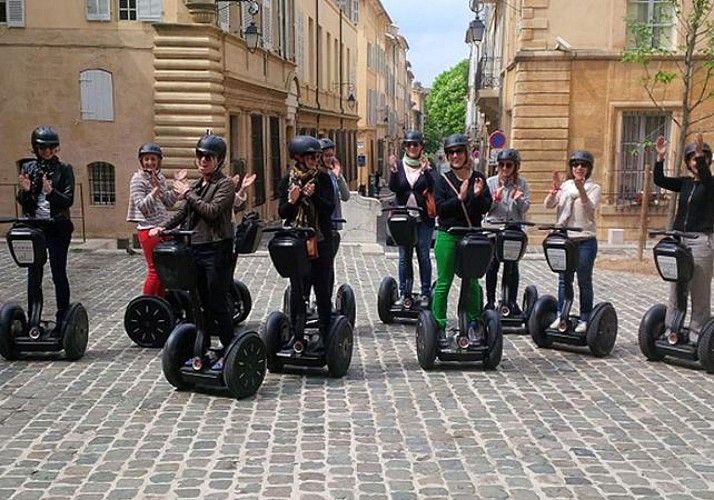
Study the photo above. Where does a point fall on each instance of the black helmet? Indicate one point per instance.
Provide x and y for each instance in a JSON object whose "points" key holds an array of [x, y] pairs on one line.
{"points": [[327, 143], [301, 145], [150, 149], [413, 136], [582, 155], [509, 155], [44, 136], [212, 144], [455, 141], [691, 149]]}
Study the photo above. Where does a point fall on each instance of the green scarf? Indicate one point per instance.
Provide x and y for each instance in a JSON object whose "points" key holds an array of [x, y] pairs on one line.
{"points": [[411, 162]]}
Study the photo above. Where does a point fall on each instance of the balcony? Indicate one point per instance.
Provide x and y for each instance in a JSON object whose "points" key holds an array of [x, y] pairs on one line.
{"points": [[488, 85]]}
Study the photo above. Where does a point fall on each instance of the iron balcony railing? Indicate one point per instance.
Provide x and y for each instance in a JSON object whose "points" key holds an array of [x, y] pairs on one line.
{"points": [[488, 73]]}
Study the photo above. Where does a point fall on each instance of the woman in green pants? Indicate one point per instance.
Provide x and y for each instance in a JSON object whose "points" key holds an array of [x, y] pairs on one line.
{"points": [[462, 198]]}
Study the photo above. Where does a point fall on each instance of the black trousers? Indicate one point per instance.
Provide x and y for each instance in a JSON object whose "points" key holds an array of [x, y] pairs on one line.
{"points": [[492, 280], [215, 265], [321, 278]]}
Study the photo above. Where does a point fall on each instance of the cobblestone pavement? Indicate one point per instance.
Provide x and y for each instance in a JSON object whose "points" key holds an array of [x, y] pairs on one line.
{"points": [[546, 424]]}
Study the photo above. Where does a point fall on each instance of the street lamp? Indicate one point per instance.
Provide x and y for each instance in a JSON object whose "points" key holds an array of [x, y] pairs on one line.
{"points": [[475, 31], [252, 37], [351, 99]]}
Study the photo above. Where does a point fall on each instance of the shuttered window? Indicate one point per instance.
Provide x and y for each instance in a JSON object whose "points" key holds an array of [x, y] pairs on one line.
{"points": [[300, 43], [268, 24], [257, 151], [98, 10], [148, 10], [276, 167], [12, 13], [96, 95], [102, 185], [223, 15]]}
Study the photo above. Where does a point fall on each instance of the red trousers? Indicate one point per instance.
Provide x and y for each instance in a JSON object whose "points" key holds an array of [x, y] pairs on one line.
{"points": [[152, 284]]}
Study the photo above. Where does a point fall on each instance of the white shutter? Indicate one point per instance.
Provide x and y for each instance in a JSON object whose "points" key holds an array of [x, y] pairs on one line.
{"points": [[148, 10], [300, 43], [15, 12], [245, 16], [96, 95], [355, 11], [268, 24], [223, 15], [98, 10]]}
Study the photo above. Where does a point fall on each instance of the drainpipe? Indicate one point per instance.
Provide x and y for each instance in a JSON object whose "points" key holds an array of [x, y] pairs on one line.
{"points": [[318, 58]]}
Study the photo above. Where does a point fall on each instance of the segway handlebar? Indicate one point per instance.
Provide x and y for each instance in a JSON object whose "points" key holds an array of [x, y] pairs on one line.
{"points": [[177, 233], [462, 230], [557, 227], [303, 230], [26, 220], [402, 209], [672, 232], [509, 222]]}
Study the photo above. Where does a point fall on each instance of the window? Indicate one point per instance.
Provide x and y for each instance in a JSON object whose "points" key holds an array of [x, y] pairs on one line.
{"points": [[127, 10], [276, 170], [12, 13], [256, 139], [102, 189], [650, 24], [638, 130], [98, 10], [96, 95]]}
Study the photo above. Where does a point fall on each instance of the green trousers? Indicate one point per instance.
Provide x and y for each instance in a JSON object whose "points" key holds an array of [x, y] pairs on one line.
{"points": [[445, 254]]}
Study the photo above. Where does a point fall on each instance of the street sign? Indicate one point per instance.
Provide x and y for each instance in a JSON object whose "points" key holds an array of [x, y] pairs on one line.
{"points": [[497, 139], [361, 160]]}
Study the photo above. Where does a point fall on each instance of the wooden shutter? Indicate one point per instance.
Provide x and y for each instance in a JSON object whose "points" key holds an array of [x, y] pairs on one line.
{"points": [[300, 44], [96, 95], [223, 15], [15, 13], [268, 24], [148, 10]]}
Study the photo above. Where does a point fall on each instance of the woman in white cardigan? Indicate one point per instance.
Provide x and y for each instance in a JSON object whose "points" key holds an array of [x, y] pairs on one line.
{"points": [[576, 200]]}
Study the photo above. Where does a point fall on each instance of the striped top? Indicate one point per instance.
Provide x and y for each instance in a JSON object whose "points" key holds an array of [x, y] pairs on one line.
{"points": [[146, 210]]}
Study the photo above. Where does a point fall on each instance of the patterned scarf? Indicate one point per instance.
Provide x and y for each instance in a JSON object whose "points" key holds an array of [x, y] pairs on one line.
{"points": [[306, 214], [411, 162]]}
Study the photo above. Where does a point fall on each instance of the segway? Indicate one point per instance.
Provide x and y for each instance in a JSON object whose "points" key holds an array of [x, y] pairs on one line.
{"points": [[657, 340], [20, 334], [511, 245], [187, 357], [300, 344], [561, 253], [148, 320], [480, 340], [402, 226]]}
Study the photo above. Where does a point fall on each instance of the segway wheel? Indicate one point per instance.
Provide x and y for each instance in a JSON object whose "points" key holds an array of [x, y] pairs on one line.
{"points": [[148, 321], [530, 296], [494, 339], [602, 330], [386, 297], [178, 348], [345, 303], [705, 348], [13, 323], [426, 332], [286, 300], [75, 331], [652, 327], [339, 347], [245, 365], [544, 312], [241, 300], [276, 333]]}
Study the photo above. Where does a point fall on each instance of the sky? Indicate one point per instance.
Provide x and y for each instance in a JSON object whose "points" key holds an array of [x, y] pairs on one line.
{"points": [[435, 31]]}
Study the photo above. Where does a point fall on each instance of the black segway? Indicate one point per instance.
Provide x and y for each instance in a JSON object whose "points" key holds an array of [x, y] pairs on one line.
{"points": [[481, 340], [187, 357], [561, 253], [511, 245], [402, 226], [657, 339], [301, 344], [148, 320], [20, 334]]}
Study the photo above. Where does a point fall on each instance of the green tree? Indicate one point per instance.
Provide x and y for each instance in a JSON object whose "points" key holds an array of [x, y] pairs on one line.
{"points": [[445, 106], [689, 64]]}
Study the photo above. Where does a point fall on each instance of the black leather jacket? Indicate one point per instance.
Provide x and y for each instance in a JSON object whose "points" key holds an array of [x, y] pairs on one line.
{"points": [[62, 196]]}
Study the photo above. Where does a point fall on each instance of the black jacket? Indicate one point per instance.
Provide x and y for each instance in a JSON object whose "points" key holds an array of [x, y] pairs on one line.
{"points": [[399, 184], [695, 210], [323, 199], [448, 205], [62, 196]]}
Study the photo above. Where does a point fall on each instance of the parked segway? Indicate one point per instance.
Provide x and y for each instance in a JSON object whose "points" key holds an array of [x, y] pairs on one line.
{"points": [[148, 320], [300, 344], [657, 339], [244, 359], [511, 245], [402, 226], [561, 253], [481, 340], [20, 334]]}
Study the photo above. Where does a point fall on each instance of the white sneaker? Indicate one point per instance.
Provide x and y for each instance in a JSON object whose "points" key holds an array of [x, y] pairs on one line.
{"points": [[555, 324], [582, 327]]}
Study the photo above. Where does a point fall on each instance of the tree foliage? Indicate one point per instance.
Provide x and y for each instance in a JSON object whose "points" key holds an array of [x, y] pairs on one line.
{"points": [[445, 105], [689, 64]]}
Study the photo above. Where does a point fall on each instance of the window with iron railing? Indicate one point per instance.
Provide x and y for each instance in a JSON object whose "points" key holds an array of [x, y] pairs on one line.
{"points": [[488, 73], [102, 185]]}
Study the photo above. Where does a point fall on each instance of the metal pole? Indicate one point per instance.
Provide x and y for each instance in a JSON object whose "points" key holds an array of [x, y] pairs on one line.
{"points": [[644, 212]]}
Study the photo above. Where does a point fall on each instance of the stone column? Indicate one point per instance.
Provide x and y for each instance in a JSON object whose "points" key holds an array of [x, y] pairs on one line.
{"points": [[203, 11]]}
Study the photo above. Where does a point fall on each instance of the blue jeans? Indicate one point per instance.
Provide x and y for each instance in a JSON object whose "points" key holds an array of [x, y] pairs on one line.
{"points": [[406, 270], [587, 251]]}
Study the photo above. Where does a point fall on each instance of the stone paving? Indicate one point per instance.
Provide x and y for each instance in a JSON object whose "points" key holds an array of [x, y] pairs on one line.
{"points": [[545, 424]]}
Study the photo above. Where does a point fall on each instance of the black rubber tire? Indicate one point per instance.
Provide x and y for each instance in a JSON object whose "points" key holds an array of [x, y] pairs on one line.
{"points": [[651, 328], [244, 365], [339, 347], [386, 297], [544, 312], [149, 320], [705, 347], [13, 323], [426, 332], [494, 339], [275, 335], [602, 329], [75, 332], [241, 300], [530, 296], [345, 303], [178, 348]]}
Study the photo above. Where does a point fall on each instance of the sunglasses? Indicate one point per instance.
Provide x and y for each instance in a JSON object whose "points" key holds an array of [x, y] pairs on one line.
{"points": [[457, 151], [310, 156], [46, 146], [412, 144], [506, 164], [201, 155], [577, 164]]}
